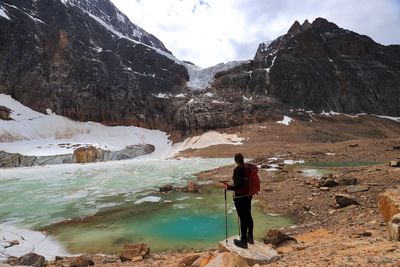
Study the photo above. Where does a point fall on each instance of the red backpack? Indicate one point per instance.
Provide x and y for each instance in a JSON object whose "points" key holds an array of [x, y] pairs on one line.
{"points": [[251, 175]]}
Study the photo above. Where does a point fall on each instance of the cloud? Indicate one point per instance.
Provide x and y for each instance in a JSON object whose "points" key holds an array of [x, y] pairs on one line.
{"points": [[207, 32]]}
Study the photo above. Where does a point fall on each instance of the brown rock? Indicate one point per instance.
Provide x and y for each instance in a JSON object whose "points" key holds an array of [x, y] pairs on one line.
{"points": [[357, 188], [344, 200], [131, 251], [276, 238], [31, 259], [192, 187], [189, 259], [394, 228], [389, 203], [5, 113], [82, 261], [394, 163], [87, 154], [203, 260], [347, 181]]}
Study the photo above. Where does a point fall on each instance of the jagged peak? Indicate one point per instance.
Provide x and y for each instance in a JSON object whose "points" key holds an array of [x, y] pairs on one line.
{"points": [[295, 28], [324, 25], [306, 25]]}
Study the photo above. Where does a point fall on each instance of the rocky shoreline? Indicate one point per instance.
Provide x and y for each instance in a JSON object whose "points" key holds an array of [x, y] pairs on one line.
{"points": [[327, 234]]}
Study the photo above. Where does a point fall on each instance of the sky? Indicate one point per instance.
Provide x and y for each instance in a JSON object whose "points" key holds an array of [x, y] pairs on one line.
{"points": [[208, 32]]}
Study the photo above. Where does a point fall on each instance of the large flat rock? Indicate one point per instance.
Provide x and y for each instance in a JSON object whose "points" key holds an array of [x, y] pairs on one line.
{"points": [[255, 254]]}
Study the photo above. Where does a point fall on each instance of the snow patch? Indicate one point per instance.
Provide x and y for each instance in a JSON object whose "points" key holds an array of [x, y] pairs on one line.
{"points": [[208, 139], [247, 99], [330, 113], [161, 95], [208, 94], [291, 162], [218, 102], [286, 120], [3, 14], [32, 133], [397, 119], [180, 95]]}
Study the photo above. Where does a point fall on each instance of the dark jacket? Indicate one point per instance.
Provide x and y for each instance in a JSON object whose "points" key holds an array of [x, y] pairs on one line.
{"points": [[239, 182]]}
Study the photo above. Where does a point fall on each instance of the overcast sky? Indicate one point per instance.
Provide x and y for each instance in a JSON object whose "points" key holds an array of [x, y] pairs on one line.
{"points": [[207, 32]]}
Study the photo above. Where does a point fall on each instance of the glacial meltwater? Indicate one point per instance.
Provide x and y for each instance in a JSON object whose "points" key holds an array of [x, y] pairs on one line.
{"points": [[99, 207]]}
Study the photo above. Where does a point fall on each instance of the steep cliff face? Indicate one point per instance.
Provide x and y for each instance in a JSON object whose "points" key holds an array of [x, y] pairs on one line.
{"points": [[84, 60], [320, 66]]}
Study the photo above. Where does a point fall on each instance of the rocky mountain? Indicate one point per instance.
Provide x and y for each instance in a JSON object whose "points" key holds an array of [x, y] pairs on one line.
{"points": [[87, 61], [320, 66], [84, 60]]}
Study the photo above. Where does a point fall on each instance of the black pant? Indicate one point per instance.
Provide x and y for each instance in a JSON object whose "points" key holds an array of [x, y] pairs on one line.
{"points": [[243, 208]]}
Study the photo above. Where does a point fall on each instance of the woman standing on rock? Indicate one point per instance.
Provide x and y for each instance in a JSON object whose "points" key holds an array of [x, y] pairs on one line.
{"points": [[242, 200]]}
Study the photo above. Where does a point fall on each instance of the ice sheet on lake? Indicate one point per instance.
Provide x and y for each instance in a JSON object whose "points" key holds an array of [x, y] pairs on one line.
{"points": [[29, 241]]}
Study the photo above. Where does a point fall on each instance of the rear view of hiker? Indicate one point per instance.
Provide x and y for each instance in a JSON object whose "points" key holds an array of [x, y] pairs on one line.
{"points": [[242, 198]]}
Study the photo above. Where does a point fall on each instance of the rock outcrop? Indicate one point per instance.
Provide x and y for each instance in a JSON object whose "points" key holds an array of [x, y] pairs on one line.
{"points": [[87, 61], [389, 203], [320, 66], [88, 154]]}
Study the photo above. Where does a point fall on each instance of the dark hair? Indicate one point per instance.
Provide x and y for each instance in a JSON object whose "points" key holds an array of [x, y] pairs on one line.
{"points": [[239, 158]]}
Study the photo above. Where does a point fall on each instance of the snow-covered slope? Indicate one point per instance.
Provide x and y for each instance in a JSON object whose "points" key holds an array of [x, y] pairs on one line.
{"points": [[36, 134]]}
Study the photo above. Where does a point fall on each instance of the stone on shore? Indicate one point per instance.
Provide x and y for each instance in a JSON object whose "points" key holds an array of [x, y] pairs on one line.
{"points": [[357, 188], [82, 261], [394, 228], [134, 251], [227, 259], [31, 259], [389, 203], [88, 154], [276, 238], [255, 254], [344, 200]]}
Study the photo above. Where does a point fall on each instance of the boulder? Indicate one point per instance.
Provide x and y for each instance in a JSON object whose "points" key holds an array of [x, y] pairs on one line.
{"points": [[5, 113], [192, 187], [389, 203], [394, 163], [344, 200], [394, 228], [347, 181], [82, 261], [203, 260], [327, 182], [88, 154], [132, 251], [189, 259], [31, 259], [276, 238], [165, 188], [254, 254], [227, 259]]}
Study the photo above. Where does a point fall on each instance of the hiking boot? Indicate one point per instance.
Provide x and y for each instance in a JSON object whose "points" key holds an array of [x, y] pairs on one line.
{"points": [[240, 243], [250, 240]]}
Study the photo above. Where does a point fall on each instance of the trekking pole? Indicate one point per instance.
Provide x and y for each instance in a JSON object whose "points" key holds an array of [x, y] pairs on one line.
{"points": [[226, 221], [238, 220]]}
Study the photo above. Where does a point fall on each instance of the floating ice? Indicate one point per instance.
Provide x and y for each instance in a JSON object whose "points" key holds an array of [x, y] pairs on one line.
{"points": [[148, 199]]}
